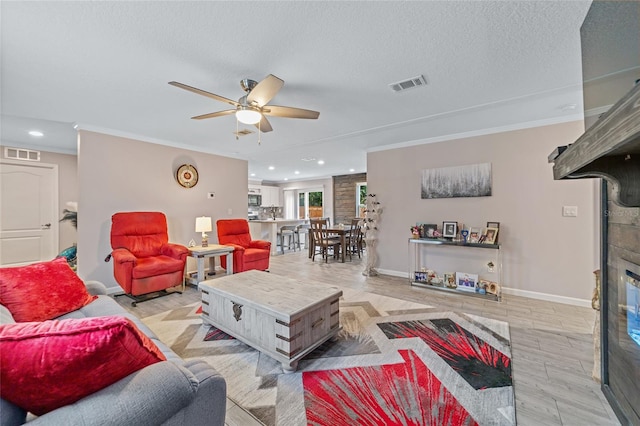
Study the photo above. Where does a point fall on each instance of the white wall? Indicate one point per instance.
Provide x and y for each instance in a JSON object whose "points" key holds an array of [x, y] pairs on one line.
{"points": [[543, 252], [118, 174]]}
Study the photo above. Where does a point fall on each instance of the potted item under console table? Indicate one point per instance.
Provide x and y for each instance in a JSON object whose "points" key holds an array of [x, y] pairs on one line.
{"points": [[471, 269]]}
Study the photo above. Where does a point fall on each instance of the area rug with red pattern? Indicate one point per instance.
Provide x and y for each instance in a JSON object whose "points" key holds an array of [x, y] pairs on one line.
{"points": [[394, 363]]}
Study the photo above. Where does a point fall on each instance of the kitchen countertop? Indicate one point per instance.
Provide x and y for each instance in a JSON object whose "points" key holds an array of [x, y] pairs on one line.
{"points": [[267, 229]]}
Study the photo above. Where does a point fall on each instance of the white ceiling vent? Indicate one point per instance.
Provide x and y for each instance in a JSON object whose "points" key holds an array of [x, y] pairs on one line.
{"points": [[243, 132], [408, 84], [21, 154]]}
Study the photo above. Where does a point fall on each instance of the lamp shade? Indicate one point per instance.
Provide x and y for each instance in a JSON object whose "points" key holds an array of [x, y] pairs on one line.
{"points": [[248, 116], [203, 224]]}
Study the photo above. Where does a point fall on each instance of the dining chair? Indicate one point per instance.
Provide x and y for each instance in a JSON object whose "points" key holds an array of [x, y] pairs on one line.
{"points": [[355, 237], [322, 240]]}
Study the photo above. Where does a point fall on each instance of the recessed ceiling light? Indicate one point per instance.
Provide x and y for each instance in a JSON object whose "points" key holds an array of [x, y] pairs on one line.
{"points": [[286, 178], [36, 133], [253, 174], [297, 172], [352, 170], [271, 168], [321, 162]]}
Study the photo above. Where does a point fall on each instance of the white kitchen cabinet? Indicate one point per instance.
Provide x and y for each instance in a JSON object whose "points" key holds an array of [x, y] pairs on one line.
{"points": [[270, 196]]}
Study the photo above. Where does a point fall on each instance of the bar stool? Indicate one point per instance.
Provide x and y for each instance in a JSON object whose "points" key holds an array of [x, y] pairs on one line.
{"points": [[288, 231], [303, 229]]}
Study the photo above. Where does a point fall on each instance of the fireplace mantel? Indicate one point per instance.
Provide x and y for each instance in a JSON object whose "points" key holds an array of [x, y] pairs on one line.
{"points": [[609, 149]]}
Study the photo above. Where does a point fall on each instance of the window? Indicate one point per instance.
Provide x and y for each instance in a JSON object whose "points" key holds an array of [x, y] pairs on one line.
{"points": [[361, 198], [310, 204]]}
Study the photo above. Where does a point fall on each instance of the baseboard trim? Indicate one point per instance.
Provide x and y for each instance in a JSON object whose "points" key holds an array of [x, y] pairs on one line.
{"points": [[393, 273], [585, 303]]}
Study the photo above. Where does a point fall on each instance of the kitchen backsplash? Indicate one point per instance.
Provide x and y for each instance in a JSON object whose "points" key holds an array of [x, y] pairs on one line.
{"points": [[267, 213]]}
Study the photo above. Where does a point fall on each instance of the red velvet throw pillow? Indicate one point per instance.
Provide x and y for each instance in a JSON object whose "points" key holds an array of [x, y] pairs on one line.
{"points": [[42, 291], [47, 365]]}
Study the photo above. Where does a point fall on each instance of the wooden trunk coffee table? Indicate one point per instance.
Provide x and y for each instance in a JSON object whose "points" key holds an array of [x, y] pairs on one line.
{"points": [[281, 317]]}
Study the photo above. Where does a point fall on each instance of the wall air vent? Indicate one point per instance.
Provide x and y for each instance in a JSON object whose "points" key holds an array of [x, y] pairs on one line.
{"points": [[21, 154], [408, 84]]}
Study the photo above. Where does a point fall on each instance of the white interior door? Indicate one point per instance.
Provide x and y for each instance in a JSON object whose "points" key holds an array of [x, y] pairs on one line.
{"points": [[28, 212]]}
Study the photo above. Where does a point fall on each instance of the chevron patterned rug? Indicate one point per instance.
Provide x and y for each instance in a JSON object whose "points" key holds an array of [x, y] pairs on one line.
{"points": [[394, 363]]}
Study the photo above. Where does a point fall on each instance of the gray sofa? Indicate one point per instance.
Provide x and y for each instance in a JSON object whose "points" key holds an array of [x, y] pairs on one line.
{"points": [[172, 392]]}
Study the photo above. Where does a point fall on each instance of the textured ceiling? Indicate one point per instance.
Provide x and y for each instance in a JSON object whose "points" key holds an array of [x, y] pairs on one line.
{"points": [[105, 65]]}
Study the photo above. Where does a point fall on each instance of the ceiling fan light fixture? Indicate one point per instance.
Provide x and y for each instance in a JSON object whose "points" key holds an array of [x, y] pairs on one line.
{"points": [[248, 116]]}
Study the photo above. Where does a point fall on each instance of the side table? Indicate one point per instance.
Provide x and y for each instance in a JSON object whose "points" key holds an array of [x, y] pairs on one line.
{"points": [[211, 251]]}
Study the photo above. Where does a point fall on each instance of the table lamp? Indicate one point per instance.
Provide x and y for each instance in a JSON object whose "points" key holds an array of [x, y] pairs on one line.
{"points": [[203, 224]]}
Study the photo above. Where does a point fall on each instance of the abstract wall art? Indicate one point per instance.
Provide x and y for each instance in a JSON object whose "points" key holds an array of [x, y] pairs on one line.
{"points": [[459, 181]]}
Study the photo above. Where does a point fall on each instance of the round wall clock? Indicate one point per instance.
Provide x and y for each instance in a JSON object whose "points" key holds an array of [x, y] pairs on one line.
{"points": [[187, 176]]}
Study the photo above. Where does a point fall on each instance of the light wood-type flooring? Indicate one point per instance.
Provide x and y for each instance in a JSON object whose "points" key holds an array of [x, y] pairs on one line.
{"points": [[552, 342]]}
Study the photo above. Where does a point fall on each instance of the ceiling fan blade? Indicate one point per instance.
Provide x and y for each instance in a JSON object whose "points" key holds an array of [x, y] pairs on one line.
{"points": [[204, 93], [265, 90], [264, 125], [214, 114], [289, 112]]}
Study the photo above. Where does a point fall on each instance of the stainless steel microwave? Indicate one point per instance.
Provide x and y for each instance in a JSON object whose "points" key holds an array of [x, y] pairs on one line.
{"points": [[255, 200]]}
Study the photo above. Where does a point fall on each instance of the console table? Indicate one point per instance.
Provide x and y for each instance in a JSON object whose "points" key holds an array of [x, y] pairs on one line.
{"points": [[210, 252], [467, 257]]}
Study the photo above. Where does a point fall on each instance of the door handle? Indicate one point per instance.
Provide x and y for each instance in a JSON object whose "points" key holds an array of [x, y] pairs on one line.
{"points": [[46, 226]]}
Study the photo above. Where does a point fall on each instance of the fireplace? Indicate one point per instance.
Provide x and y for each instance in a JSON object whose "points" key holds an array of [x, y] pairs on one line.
{"points": [[622, 345], [610, 149], [630, 304]]}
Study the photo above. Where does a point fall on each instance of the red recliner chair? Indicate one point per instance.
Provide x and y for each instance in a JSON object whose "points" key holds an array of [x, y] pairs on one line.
{"points": [[144, 262], [248, 253]]}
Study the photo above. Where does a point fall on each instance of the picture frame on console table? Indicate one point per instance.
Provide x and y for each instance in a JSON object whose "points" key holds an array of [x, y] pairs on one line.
{"points": [[475, 234], [491, 236], [427, 229], [466, 282], [449, 229], [450, 280]]}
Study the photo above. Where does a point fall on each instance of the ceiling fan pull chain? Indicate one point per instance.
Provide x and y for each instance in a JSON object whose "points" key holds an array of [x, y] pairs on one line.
{"points": [[237, 130], [259, 132]]}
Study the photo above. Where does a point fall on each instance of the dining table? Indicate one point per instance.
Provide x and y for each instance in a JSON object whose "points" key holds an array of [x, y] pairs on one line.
{"points": [[339, 230]]}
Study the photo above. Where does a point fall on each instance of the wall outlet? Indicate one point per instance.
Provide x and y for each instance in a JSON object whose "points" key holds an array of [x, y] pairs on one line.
{"points": [[570, 211], [211, 195], [230, 212]]}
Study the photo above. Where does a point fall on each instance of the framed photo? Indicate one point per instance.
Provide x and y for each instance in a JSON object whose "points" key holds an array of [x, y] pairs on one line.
{"points": [[466, 282], [491, 236], [420, 276], [474, 235], [449, 229], [493, 225], [450, 280], [426, 230]]}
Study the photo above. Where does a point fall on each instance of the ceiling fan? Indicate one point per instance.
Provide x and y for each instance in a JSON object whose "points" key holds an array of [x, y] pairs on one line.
{"points": [[252, 108]]}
